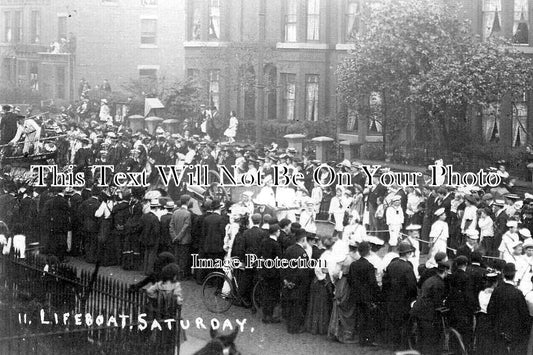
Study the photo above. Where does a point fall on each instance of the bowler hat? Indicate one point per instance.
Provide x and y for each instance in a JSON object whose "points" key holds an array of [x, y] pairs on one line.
{"points": [[405, 248]]}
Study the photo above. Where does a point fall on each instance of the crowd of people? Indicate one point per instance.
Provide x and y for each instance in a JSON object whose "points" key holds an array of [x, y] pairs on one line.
{"points": [[464, 247]]}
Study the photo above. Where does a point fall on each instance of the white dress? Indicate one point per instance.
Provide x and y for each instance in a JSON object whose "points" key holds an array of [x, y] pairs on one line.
{"points": [[231, 131]]}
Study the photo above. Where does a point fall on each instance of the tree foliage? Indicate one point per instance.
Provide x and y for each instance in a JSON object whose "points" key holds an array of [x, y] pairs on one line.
{"points": [[424, 54]]}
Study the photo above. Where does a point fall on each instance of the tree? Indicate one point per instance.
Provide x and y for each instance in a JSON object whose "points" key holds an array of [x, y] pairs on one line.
{"points": [[422, 55]]}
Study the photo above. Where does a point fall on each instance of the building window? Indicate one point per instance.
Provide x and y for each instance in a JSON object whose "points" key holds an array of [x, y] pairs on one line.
{"points": [[34, 76], [148, 31], [13, 26], [148, 74], [213, 89], [352, 121], [61, 27], [193, 74], [22, 73], [353, 18], [17, 27], [313, 20], [375, 120], [35, 27], [521, 17], [520, 122], [8, 30], [291, 19], [288, 82], [214, 19], [60, 82], [196, 21], [311, 97], [492, 10], [491, 123]]}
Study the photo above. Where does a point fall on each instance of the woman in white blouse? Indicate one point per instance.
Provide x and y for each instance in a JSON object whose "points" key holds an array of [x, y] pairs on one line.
{"points": [[308, 216], [337, 207]]}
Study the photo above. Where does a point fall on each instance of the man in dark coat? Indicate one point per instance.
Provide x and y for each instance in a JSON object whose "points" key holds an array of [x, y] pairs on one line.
{"points": [[364, 292], [477, 274], [7, 203], [509, 314], [295, 287], [213, 230], [89, 225], [253, 238], [470, 245], [74, 201], [8, 125], [57, 217], [119, 216], [425, 310], [399, 291], [500, 220], [131, 248], [150, 235], [462, 301], [271, 283], [180, 235], [165, 244]]}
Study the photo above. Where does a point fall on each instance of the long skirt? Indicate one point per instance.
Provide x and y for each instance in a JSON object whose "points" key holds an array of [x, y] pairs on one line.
{"points": [[343, 321], [318, 309]]}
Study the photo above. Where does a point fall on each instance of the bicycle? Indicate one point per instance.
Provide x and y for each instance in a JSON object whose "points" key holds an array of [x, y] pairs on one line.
{"points": [[220, 292], [451, 339]]}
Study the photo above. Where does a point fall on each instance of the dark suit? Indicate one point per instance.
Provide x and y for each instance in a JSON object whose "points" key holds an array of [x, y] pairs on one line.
{"points": [[477, 275], [89, 226], [75, 202], [462, 303], [213, 232], [432, 296], [399, 291], [270, 293], [56, 214], [464, 250], [509, 314], [295, 290], [150, 237], [364, 292], [8, 127], [253, 238]]}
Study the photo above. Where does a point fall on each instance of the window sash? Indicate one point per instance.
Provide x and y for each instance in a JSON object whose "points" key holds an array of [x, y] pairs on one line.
{"points": [[8, 33], [352, 18], [289, 96], [313, 20], [17, 27], [311, 97], [35, 27], [148, 31], [291, 21], [196, 22], [214, 19]]}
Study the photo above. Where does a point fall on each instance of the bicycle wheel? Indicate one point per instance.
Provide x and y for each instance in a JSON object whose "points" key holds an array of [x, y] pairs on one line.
{"points": [[454, 343], [413, 334], [213, 296], [257, 294]]}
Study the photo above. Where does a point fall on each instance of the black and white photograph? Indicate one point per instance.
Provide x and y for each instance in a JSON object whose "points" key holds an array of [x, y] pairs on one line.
{"points": [[249, 177]]}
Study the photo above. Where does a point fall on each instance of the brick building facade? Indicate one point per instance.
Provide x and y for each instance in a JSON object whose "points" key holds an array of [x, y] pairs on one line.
{"points": [[266, 60]]}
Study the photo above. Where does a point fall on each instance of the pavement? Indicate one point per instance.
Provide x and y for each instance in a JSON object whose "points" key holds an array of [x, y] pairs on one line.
{"points": [[256, 338]]}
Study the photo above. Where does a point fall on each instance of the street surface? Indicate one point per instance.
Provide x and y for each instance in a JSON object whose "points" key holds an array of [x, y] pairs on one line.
{"points": [[257, 338]]}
